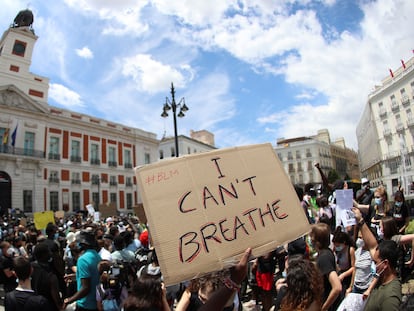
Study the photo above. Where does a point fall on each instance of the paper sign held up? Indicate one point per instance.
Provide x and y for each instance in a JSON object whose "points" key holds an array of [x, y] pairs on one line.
{"points": [[204, 210]]}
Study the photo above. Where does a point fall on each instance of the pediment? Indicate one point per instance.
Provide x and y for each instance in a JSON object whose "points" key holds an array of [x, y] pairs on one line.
{"points": [[13, 97]]}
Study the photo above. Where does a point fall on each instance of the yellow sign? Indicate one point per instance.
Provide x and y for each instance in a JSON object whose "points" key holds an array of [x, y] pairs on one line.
{"points": [[41, 219]]}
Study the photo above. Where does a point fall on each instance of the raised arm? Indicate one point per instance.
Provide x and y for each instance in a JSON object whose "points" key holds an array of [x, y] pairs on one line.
{"points": [[368, 237]]}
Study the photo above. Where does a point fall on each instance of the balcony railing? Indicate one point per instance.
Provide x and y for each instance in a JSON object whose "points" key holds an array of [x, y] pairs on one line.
{"points": [[128, 165], [95, 161], [113, 183], [53, 156], [76, 181], [22, 151], [76, 159], [112, 163], [394, 105], [54, 180], [128, 184], [405, 100]]}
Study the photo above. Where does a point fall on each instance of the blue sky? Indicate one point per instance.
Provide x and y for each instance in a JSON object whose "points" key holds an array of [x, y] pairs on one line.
{"points": [[250, 71]]}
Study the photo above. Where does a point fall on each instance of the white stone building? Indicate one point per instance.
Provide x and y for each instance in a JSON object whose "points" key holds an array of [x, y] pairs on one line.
{"points": [[385, 131]]}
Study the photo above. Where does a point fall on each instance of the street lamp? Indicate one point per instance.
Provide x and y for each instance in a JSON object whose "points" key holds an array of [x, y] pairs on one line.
{"points": [[171, 104]]}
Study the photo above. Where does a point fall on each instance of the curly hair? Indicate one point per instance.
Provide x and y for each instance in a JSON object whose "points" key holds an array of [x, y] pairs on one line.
{"points": [[146, 295], [304, 285]]}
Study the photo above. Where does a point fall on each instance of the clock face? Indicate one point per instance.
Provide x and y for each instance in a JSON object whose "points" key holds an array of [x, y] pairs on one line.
{"points": [[19, 48]]}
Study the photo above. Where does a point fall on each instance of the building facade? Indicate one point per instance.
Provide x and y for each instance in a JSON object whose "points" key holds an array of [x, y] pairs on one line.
{"points": [[56, 159], [299, 156], [385, 131], [186, 145]]}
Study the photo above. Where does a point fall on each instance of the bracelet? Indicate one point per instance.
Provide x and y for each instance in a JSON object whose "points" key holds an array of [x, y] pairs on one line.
{"points": [[361, 222], [230, 284]]}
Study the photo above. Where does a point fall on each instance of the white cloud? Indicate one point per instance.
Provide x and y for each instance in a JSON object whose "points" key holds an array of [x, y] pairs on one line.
{"points": [[153, 76], [84, 52], [65, 97]]}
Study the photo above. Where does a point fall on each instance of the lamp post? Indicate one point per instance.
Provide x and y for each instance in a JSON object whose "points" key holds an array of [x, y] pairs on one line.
{"points": [[172, 104]]}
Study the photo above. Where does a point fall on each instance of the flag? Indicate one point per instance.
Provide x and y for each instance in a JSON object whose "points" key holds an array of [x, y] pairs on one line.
{"points": [[391, 73], [6, 136], [13, 136], [402, 63]]}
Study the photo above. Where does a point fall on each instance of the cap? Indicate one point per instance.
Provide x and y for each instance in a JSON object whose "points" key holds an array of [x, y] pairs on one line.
{"points": [[70, 238], [364, 180]]}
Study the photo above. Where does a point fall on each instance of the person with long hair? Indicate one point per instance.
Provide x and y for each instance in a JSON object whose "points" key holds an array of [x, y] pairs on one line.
{"points": [[147, 294], [400, 211], [304, 286], [320, 239], [381, 206], [345, 256]]}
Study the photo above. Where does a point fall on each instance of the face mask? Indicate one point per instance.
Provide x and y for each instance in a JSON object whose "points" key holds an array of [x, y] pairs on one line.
{"points": [[10, 252], [339, 248], [398, 204], [381, 235], [284, 274], [56, 236], [378, 201], [359, 243]]}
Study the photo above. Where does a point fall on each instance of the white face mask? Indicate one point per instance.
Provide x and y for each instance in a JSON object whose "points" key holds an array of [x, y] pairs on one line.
{"points": [[380, 234], [359, 243]]}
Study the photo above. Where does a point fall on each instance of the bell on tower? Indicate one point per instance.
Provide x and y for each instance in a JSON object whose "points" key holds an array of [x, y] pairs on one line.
{"points": [[23, 19]]}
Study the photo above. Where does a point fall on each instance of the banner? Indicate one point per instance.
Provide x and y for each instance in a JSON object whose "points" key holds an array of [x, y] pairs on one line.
{"points": [[205, 209]]}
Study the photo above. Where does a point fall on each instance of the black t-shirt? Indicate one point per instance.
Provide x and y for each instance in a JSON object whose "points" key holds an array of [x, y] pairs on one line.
{"points": [[19, 300], [399, 214], [9, 282]]}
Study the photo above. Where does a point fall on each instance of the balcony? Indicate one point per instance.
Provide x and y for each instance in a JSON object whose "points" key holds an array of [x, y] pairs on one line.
{"points": [[75, 159], [387, 132], [410, 122], [113, 183], [400, 127], [53, 180], [95, 161], [382, 112], [128, 184], [112, 164], [22, 151], [53, 156], [405, 100], [394, 106], [309, 155], [128, 165], [76, 181]]}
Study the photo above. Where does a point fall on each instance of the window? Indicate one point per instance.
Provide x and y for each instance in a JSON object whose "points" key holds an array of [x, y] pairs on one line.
{"points": [[290, 157], [76, 200], [112, 181], [279, 155], [127, 158], [172, 152], [54, 200], [112, 197], [54, 177], [298, 154], [291, 168], [300, 167], [128, 182], [161, 154], [95, 154], [188, 150], [19, 48], [76, 178], [95, 179], [27, 201], [29, 140], [129, 200], [75, 151], [147, 158], [310, 167], [308, 153], [112, 157], [54, 148]]}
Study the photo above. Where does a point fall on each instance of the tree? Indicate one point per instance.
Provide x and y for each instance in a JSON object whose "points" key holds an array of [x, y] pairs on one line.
{"points": [[332, 176]]}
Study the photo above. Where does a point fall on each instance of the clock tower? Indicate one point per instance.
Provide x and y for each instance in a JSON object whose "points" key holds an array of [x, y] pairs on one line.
{"points": [[16, 49]]}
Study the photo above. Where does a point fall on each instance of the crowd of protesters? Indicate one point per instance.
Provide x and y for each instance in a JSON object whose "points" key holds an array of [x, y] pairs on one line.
{"points": [[77, 263]]}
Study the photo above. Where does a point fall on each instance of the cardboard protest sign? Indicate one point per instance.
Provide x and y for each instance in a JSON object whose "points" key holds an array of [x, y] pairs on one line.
{"points": [[90, 209], [107, 210], [140, 212], [59, 214], [205, 209], [41, 219]]}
